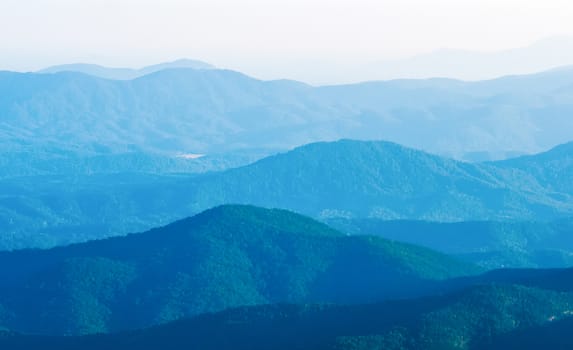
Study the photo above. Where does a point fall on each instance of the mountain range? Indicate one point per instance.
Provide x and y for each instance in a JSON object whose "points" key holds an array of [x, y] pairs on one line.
{"points": [[455, 233], [211, 111], [225, 257], [489, 316], [451, 63], [344, 179], [242, 277], [124, 73], [543, 55]]}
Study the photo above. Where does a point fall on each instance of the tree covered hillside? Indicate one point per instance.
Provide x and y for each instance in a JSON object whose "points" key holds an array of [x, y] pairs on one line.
{"points": [[348, 179], [224, 257], [482, 317], [492, 244]]}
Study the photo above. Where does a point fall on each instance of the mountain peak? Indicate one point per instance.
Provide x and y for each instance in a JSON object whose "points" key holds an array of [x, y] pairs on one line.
{"points": [[228, 256], [558, 152], [358, 150], [565, 148], [180, 63], [251, 217]]}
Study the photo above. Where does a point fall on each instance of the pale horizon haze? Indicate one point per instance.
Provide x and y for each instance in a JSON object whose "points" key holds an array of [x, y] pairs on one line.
{"points": [[267, 39]]}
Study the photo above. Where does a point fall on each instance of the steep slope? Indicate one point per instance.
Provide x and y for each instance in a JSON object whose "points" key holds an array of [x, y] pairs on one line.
{"points": [[473, 319], [225, 257], [552, 168], [488, 243]]}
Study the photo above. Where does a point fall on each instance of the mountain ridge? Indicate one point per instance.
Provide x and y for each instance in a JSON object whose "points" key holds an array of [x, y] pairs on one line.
{"points": [[229, 256], [481, 317], [345, 179], [220, 110], [116, 73]]}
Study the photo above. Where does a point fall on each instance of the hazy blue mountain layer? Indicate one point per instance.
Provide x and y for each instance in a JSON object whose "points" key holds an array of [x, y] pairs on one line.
{"points": [[348, 179], [225, 257], [553, 168], [124, 73], [457, 64], [212, 111], [52, 163]]}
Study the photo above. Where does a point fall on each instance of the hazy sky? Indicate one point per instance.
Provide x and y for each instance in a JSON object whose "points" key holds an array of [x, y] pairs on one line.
{"points": [[265, 34]]}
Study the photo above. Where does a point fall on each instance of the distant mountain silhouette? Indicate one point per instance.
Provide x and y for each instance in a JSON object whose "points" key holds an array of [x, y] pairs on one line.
{"points": [[210, 111], [124, 73], [542, 55]]}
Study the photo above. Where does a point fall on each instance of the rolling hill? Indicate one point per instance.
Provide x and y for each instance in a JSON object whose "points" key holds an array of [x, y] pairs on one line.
{"points": [[482, 317], [384, 180], [208, 111], [348, 179], [225, 257]]}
